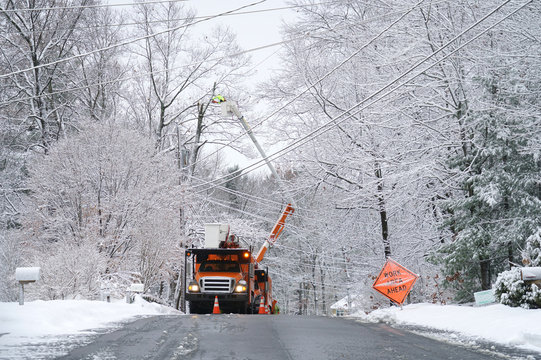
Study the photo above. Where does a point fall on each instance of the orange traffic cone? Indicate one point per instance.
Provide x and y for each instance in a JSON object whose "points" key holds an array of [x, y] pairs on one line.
{"points": [[262, 306], [216, 309]]}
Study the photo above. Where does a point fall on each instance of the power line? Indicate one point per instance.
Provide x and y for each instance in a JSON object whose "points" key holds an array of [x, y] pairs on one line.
{"points": [[255, 216], [216, 59], [125, 78], [127, 41], [351, 56], [334, 121], [261, 202], [250, 197], [91, 6], [168, 20], [400, 12]]}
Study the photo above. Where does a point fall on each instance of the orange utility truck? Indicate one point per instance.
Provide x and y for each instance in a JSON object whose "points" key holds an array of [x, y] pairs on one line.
{"points": [[230, 273]]}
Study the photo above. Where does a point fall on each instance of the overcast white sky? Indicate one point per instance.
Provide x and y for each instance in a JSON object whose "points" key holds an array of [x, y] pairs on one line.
{"points": [[253, 30]]}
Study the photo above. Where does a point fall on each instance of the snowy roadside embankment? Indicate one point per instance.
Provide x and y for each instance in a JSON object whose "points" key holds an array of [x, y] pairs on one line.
{"points": [[38, 322], [496, 323]]}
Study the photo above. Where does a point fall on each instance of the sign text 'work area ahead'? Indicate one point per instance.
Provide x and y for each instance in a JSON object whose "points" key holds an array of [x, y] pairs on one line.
{"points": [[395, 281]]}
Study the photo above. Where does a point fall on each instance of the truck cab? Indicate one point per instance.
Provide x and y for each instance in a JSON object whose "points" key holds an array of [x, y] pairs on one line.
{"points": [[224, 273], [225, 270]]}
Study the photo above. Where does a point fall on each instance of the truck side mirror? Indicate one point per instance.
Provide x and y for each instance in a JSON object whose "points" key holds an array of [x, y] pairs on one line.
{"points": [[261, 275]]}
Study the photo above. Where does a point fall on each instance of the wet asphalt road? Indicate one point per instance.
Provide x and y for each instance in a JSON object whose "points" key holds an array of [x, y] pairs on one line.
{"points": [[265, 337]]}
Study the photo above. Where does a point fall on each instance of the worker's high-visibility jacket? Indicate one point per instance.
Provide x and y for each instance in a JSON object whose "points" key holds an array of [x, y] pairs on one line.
{"points": [[218, 99]]}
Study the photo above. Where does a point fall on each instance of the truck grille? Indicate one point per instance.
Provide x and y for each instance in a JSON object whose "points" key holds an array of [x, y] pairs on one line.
{"points": [[217, 284]]}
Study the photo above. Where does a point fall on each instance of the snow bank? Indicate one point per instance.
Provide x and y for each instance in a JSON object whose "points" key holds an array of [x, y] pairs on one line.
{"points": [[497, 323], [37, 319]]}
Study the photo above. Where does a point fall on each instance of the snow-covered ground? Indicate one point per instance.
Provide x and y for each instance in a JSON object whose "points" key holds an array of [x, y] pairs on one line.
{"points": [[515, 327], [47, 329]]}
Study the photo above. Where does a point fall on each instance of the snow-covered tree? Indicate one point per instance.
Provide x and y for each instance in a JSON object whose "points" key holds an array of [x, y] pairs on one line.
{"points": [[498, 161], [531, 255], [32, 40], [97, 193]]}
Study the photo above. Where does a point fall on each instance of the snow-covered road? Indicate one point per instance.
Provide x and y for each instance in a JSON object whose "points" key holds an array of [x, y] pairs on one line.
{"points": [[48, 329], [496, 323]]}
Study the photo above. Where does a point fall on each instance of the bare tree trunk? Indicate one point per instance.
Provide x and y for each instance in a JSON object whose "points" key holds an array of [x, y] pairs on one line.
{"points": [[323, 293], [314, 288], [485, 274], [300, 298], [383, 213], [201, 109]]}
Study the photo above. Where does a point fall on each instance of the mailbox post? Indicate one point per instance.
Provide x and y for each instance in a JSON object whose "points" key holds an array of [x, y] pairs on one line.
{"points": [[26, 275], [132, 290]]}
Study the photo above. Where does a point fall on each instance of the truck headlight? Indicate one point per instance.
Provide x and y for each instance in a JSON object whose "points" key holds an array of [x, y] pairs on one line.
{"points": [[193, 287], [241, 287]]}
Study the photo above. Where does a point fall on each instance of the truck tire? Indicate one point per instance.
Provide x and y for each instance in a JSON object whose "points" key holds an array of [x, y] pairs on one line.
{"points": [[194, 308], [254, 306], [243, 308]]}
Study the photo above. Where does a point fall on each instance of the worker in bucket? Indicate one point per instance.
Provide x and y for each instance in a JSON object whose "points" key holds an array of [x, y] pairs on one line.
{"points": [[218, 99]]}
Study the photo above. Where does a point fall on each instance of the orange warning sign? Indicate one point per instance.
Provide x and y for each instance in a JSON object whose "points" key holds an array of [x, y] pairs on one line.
{"points": [[395, 281]]}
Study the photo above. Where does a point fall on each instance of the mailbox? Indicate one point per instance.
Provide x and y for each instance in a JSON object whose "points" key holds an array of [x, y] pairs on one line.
{"points": [[132, 290], [137, 288], [27, 274], [530, 274]]}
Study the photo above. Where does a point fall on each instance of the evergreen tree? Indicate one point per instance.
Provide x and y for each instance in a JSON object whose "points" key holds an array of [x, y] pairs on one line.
{"points": [[502, 205]]}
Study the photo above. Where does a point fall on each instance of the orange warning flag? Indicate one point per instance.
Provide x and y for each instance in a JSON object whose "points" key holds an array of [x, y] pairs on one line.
{"points": [[395, 281]]}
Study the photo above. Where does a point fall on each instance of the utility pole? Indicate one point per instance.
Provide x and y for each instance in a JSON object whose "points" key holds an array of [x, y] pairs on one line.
{"points": [[231, 108]]}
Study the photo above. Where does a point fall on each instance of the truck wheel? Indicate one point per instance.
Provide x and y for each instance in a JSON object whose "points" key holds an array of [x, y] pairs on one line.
{"points": [[254, 307], [243, 308], [194, 309]]}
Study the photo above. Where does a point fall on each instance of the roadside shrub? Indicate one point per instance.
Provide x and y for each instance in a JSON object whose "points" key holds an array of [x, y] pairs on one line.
{"points": [[512, 291]]}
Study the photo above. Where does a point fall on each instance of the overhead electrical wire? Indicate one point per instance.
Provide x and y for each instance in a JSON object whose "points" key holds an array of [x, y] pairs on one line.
{"points": [[268, 203], [335, 121], [243, 52], [134, 23], [125, 78], [329, 73], [315, 133], [95, 6], [126, 42], [255, 216], [402, 15], [298, 231], [256, 199], [261, 202]]}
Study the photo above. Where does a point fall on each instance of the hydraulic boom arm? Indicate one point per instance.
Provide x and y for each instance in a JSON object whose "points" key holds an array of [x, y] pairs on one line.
{"points": [[231, 108], [276, 230]]}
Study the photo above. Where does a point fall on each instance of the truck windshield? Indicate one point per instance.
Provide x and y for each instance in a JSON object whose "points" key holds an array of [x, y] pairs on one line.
{"points": [[219, 266]]}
